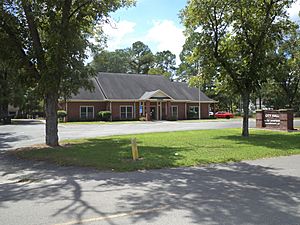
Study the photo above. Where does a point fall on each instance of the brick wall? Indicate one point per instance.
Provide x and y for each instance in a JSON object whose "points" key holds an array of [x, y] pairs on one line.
{"points": [[116, 109], [204, 109], [73, 109]]}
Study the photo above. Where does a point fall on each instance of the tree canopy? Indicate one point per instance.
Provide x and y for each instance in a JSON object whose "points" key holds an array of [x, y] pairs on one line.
{"points": [[137, 59], [50, 40], [234, 37]]}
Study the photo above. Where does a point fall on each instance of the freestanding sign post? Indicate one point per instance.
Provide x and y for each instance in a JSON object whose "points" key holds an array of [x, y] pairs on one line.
{"points": [[282, 119]]}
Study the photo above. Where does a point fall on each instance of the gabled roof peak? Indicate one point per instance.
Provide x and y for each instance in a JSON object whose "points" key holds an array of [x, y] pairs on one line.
{"points": [[157, 94]]}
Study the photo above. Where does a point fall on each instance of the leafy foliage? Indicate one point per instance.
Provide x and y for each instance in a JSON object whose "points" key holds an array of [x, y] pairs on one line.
{"points": [[137, 59], [50, 39], [61, 114], [141, 58], [113, 62], [164, 64], [232, 39], [104, 115], [282, 90]]}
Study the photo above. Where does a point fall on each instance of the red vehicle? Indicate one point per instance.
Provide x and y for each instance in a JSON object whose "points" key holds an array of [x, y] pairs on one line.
{"points": [[226, 115]]}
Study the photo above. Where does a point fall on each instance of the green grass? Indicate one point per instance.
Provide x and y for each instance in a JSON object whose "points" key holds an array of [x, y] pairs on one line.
{"points": [[171, 149]]}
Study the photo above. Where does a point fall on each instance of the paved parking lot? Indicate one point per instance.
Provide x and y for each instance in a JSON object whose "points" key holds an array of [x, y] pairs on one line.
{"points": [[30, 132]]}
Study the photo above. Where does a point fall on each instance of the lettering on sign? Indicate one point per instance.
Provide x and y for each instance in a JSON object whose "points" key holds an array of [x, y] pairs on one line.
{"points": [[272, 119], [275, 119]]}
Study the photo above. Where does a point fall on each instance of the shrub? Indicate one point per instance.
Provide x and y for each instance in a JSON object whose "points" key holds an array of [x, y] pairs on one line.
{"points": [[104, 115], [212, 117], [61, 114]]}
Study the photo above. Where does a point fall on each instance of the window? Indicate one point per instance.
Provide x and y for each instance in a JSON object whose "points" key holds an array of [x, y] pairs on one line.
{"points": [[87, 112], [193, 112], [194, 109], [126, 112], [174, 111]]}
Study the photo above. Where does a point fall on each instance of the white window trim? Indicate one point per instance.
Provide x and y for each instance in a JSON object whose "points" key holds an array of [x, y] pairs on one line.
{"points": [[85, 106], [126, 111], [174, 106]]}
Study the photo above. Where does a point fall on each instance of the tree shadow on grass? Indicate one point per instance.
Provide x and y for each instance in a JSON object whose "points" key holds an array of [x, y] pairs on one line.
{"points": [[109, 154], [275, 140]]}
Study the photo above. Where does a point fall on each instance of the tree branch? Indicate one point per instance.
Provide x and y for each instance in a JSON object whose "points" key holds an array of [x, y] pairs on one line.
{"points": [[79, 7], [37, 45], [21, 55]]}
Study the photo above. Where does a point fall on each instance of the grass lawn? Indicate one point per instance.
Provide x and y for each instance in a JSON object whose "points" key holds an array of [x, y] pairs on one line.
{"points": [[170, 149]]}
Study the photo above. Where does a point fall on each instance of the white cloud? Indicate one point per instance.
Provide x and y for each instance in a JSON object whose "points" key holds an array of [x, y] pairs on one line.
{"points": [[294, 11], [117, 32], [167, 36]]}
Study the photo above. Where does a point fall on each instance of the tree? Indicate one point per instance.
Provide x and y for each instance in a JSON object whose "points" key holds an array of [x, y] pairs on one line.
{"points": [[235, 36], [12, 85], [114, 62], [164, 64], [189, 66], [141, 58], [51, 39], [286, 68]]}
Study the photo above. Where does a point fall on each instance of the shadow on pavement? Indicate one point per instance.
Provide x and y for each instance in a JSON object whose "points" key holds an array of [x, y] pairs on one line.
{"points": [[237, 193], [26, 122], [6, 139]]}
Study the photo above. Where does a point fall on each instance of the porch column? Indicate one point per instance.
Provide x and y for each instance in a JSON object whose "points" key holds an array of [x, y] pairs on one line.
{"points": [[168, 111], [110, 109], [66, 108], [148, 116], [144, 109], [134, 110], [157, 112], [185, 110]]}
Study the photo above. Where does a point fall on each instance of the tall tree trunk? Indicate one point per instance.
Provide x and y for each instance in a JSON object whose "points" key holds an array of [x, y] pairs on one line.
{"points": [[4, 113], [260, 102], [51, 101], [246, 101]]}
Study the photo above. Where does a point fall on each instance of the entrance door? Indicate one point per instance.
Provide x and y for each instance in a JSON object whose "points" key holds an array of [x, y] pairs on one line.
{"points": [[153, 113]]}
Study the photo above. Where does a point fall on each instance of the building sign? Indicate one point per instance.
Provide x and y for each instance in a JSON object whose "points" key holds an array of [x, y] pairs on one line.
{"points": [[275, 119], [272, 118]]}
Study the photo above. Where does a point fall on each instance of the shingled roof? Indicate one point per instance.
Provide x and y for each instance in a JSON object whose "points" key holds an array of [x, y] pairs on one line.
{"points": [[117, 86]]}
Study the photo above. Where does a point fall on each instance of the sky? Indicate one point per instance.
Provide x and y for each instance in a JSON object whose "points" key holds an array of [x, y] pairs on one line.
{"points": [[156, 23]]}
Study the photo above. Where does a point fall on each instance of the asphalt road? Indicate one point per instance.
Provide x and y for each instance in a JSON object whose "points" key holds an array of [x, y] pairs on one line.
{"points": [[30, 132], [262, 192]]}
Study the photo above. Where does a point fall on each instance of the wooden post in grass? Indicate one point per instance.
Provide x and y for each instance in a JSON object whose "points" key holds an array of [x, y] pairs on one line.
{"points": [[134, 149]]}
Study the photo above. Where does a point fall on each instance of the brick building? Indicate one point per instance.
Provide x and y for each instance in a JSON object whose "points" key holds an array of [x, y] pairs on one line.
{"points": [[131, 96]]}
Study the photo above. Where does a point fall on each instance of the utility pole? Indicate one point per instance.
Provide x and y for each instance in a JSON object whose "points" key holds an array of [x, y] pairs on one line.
{"points": [[199, 107]]}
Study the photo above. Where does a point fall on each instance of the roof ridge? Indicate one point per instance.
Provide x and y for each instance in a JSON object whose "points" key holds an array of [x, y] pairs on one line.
{"points": [[101, 88], [130, 74]]}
